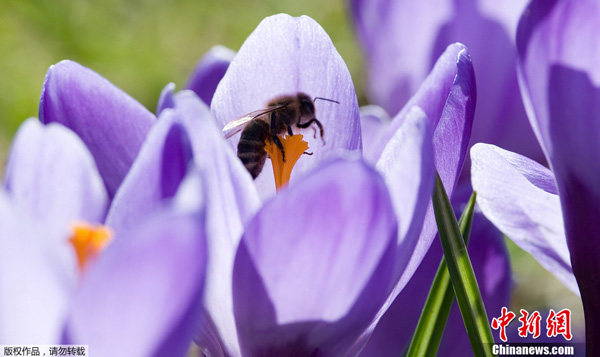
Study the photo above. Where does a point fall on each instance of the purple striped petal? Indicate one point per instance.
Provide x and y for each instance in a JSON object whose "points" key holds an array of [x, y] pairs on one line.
{"points": [[112, 124], [155, 174], [35, 283], [142, 296], [447, 97], [284, 56], [558, 59], [492, 267], [450, 140], [315, 264], [209, 71], [520, 197], [52, 176]]}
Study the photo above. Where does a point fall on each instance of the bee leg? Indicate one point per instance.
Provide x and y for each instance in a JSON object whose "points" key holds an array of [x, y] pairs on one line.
{"points": [[274, 133], [307, 153], [279, 145], [308, 123], [290, 132]]}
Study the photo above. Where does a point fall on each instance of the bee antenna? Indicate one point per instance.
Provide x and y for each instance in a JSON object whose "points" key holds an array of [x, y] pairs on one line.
{"points": [[329, 100]]}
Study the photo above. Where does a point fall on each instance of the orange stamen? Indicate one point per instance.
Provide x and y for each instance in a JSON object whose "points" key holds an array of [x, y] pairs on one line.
{"points": [[293, 146], [89, 241]]}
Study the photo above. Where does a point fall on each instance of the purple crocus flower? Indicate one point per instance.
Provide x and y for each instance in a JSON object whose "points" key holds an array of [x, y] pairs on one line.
{"points": [[88, 103], [449, 79], [117, 128], [303, 302], [559, 80], [124, 302], [249, 245], [402, 39], [232, 201]]}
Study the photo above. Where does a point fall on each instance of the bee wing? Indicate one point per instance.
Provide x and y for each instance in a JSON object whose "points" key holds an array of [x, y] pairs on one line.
{"points": [[235, 126]]}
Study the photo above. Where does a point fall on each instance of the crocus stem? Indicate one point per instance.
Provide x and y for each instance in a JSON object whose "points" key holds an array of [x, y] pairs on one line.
{"points": [[461, 272], [430, 329]]}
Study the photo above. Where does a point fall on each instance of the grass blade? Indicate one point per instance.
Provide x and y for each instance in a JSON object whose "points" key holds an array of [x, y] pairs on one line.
{"points": [[430, 329], [461, 273]]}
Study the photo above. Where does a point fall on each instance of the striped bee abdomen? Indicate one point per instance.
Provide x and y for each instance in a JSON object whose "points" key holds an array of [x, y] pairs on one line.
{"points": [[251, 148]]}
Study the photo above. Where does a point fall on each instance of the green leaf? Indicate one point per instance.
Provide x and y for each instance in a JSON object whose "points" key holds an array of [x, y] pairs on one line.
{"points": [[461, 272], [430, 329]]}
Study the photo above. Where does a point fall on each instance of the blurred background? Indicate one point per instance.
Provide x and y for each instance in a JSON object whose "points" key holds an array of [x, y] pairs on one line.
{"points": [[141, 46], [138, 45]]}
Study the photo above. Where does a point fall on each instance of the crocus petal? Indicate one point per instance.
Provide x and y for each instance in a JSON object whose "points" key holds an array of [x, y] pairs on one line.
{"points": [[374, 120], [190, 198], [112, 124], [155, 174], [284, 56], [231, 201], [142, 296], [450, 141], [406, 164], [165, 101], [492, 268], [209, 71], [33, 280], [519, 196], [310, 276], [398, 57], [402, 40], [51, 174], [558, 59], [448, 98]]}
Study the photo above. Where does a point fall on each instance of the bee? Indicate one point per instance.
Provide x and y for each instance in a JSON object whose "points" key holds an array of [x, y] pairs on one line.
{"points": [[279, 116]]}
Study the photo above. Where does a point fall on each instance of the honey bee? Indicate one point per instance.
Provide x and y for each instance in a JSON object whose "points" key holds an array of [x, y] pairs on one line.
{"points": [[276, 119]]}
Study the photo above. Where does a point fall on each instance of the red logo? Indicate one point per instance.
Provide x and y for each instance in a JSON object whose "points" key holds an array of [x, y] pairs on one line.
{"points": [[529, 325], [502, 322], [557, 323]]}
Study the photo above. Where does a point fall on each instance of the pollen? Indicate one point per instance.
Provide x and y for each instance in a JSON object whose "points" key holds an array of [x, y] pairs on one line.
{"points": [[293, 146], [89, 241]]}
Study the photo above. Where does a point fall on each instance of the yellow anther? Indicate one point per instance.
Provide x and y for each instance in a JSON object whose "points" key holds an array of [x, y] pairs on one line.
{"points": [[293, 147], [89, 241]]}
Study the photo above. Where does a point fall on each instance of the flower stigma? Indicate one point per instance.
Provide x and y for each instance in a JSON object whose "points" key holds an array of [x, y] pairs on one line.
{"points": [[89, 241], [293, 146]]}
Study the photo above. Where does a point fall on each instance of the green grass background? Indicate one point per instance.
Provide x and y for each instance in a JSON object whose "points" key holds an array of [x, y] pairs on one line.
{"points": [[143, 45], [138, 45]]}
